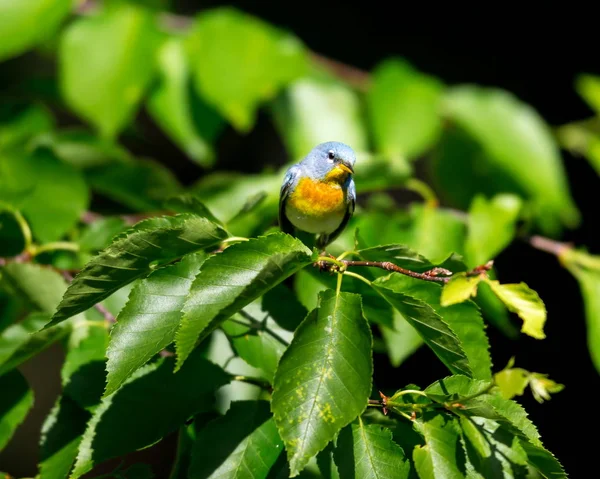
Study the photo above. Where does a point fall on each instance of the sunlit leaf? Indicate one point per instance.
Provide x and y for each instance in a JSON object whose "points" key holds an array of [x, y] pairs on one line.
{"points": [[456, 388], [544, 461], [460, 288], [404, 109], [324, 378], [240, 61], [133, 254], [15, 402], [511, 381], [106, 65]]}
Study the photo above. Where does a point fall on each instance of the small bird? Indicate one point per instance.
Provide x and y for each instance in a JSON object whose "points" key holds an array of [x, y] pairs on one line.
{"points": [[318, 195]]}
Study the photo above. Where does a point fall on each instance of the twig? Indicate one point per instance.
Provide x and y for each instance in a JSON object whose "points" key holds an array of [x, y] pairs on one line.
{"points": [[548, 245], [261, 383], [108, 316]]}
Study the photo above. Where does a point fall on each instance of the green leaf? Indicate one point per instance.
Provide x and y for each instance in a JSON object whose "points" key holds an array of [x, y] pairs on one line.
{"points": [[107, 62], [56, 193], [434, 331], [19, 122], [324, 378], [368, 451], [404, 109], [24, 339], [117, 427], [494, 310], [98, 235], [460, 288], [150, 319], [23, 26], [521, 299], [463, 319], [456, 388], [437, 459], [172, 103], [401, 341], [284, 307], [15, 402], [399, 254], [135, 253], [511, 381], [544, 461], [189, 203], [234, 278], [316, 109], [240, 61], [60, 438], [243, 443], [491, 227], [588, 87], [513, 150]]}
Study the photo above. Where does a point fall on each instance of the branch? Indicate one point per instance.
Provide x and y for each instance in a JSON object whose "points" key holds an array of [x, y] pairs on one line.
{"points": [[548, 245]]}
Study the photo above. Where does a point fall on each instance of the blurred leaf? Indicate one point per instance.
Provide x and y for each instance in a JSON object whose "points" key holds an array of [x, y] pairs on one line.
{"points": [[117, 428], [142, 184], [404, 109], [240, 61], [243, 443], [133, 254], [521, 299], [588, 87], [150, 319], [511, 381], [491, 227], [19, 122], [12, 241], [503, 146], [307, 289], [172, 103], [50, 194], [376, 173], [97, 235], [25, 25], [331, 361], [317, 109], [256, 215], [368, 451], [188, 203], [401, 341], [284, 307], [460, 288], [542, 386], [437, 459], [107, 62], [234, 278], [15, 402]]}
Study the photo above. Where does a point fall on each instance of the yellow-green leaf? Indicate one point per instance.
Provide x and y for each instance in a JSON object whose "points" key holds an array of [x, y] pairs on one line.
{"points": [[460, 288]]}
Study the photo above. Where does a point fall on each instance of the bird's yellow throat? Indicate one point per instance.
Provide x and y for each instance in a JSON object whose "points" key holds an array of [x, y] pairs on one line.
{"points": [[319, 198]]}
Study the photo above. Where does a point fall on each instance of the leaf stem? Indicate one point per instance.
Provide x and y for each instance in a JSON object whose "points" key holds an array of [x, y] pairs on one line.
{"points": [[25, 229], [234, 239], [338, 288], [409, 391], [56, 245], [424, 190], [357, 276], [328, 259], [261, 383]]}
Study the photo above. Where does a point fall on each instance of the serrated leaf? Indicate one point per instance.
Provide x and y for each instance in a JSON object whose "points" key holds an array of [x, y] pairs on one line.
{"points": [[456, 388], [55, 193], [368, 451], [16, 20], [491, 227], [434, 331], [149, 320], [404, 109], [463, 319], [15, 402], [324, 378], [544, 461], [234, 278], [240, 61], [243, 443], [513, 149], [107, 63], [133, 254], [521, 299], [60, 438], [172, 102], [460, 288], [117, 427], [437, 459]]}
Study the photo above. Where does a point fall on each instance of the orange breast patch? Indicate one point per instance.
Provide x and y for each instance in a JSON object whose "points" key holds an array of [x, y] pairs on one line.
{"points": [[317, 198]]}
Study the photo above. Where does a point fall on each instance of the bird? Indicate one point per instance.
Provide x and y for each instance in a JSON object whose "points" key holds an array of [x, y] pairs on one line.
{"points": [[318, 194]]}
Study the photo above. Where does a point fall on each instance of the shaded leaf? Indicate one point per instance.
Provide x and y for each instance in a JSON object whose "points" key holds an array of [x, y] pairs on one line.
{"points": [[147, 245], [368, 451], [544, 461], [491, 227], [401, 341], [324, 378], [21, 121], [120, 423], [150, 319], [106, 64], [460, 288], [243, 443], [189, 203], [240, 61], [494, 310], [404, 109], [234, 278], [15, 402], [98, 235], [284, 307], [40, 286], [23, 26], [521, 299], [456, 388]]}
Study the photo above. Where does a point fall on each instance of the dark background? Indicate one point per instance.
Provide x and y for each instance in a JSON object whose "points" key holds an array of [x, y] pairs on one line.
{"points": [[535, 59]]}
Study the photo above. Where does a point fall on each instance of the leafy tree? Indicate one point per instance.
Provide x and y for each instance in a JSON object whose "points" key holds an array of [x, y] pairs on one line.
{"points": [[182, 309]]}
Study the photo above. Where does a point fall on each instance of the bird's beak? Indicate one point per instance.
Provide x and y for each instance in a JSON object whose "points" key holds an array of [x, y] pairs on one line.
{"points": [[346, 168]]}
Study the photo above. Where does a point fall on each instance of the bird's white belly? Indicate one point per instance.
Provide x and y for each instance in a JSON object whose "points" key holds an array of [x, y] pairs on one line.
{"points": [[324, 224]]}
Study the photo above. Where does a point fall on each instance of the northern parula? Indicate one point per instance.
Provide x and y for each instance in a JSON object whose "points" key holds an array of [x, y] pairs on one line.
{"points": [[318, 195]]}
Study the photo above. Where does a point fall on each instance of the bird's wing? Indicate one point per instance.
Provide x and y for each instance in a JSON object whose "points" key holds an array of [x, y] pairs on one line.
{"points": [[324, 240], [289, 180]]}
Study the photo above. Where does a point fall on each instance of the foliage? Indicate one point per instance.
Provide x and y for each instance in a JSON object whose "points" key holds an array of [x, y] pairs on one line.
{"points": [[137, 291]]}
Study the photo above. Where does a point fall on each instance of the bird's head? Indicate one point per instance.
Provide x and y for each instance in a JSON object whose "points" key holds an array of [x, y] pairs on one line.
{"points": [[330, 161]]}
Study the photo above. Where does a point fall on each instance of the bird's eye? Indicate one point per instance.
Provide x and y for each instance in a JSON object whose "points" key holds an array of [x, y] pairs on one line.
{"points": [[331, 155]]}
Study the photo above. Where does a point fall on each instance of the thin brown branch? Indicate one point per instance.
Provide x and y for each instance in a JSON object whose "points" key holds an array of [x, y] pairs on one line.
{"points": [[548, 245]]}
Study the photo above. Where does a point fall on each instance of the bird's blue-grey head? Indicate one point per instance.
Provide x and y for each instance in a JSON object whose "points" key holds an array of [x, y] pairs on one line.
{"points": [[326, 156]]}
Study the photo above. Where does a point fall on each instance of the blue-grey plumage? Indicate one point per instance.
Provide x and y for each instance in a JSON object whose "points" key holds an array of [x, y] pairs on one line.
{"points": [[318, 194]]}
